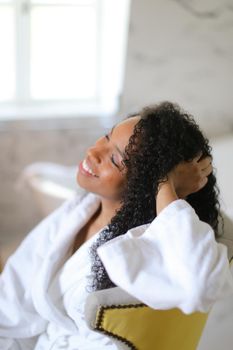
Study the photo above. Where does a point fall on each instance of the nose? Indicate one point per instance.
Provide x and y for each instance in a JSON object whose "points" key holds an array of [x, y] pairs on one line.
{"points": [[97, 152], [94, 155]]}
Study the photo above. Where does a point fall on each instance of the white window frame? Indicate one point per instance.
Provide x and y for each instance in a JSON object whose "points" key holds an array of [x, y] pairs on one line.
{"points": [[109, 67]]}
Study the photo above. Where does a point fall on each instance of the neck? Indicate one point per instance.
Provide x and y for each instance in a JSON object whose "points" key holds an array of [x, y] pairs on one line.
{"points": [[107, 211]]}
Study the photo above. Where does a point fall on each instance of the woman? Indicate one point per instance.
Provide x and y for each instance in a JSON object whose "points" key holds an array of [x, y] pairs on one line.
{"points": [[152, 196]]}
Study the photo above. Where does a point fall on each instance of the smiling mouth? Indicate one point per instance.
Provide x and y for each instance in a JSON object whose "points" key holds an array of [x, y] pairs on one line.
{"points": [[87, 168]]}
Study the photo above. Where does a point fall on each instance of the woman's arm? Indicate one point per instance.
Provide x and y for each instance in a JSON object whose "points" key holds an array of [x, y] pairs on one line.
{"points": [[175, 261]]}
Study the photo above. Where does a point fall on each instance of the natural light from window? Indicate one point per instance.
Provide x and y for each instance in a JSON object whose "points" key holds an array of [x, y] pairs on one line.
{"points": [[61, 68], [61, 57], [7, 64]]}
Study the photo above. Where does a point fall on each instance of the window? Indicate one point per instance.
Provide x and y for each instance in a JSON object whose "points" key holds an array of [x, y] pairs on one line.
{"points": [[61, 57], [7, 44]]}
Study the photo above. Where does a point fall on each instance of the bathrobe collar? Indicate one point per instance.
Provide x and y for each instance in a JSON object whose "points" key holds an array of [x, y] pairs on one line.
{"points": [[56, 257]]}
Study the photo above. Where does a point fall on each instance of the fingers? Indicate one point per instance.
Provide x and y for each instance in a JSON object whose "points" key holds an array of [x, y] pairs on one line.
{"points": [[208, 170], [203, 182], [198, 157], [202, 160], [191, 176], [204, 168], [204, 164]]}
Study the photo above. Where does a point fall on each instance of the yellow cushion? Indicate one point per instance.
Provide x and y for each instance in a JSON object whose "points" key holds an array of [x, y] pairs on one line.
{"points": [[143, 328]]}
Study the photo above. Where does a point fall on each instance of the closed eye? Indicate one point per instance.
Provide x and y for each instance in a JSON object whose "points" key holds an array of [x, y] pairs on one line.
{"points": [[114, 162], [112, 156]]}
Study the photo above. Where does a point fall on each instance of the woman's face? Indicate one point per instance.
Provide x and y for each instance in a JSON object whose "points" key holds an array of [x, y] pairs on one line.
{"points": [[102, 171]]}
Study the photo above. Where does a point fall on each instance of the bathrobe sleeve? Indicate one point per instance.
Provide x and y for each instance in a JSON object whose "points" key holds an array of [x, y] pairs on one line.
{"points": [[18, 317], [173, 262]]}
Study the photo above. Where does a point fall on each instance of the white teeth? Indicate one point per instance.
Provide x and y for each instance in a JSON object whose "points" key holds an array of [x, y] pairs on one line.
{"points": [[86, 167]]}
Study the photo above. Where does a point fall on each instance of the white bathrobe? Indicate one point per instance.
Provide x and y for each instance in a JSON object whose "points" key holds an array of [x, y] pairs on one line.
{"points": [[173, 262]]}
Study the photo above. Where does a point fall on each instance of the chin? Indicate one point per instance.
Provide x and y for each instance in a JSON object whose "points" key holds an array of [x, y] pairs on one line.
{"points": [[80, 182], [84, 184]]}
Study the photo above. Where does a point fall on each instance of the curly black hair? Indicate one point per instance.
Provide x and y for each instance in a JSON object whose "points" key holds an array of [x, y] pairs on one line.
{"points": [[164, 136]]}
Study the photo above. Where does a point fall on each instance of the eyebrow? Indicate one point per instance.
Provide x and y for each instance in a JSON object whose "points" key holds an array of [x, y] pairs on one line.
{"points": [[118, 149]]}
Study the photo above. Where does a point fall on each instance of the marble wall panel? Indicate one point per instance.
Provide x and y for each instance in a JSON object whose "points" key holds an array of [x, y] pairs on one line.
{"points": [[182, 51]]}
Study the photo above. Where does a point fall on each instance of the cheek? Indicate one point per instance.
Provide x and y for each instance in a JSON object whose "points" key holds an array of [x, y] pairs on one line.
{"points": [[115, 181], [112, 177]]}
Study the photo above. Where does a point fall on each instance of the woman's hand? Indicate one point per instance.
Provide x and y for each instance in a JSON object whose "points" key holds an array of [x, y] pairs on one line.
{"points": [[184, 179], [190, 177]]}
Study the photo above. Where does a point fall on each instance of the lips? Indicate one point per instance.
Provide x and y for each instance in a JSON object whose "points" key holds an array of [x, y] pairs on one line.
{"points": [[87, 169]]}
